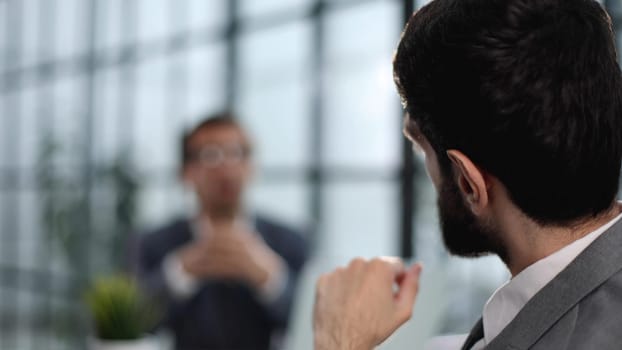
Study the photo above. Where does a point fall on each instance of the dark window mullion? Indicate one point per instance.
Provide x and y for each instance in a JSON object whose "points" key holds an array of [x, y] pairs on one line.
{"points": [[46, 116], [126, 111], [232, 61], [10, 203], [177, 73], [316, 179]]}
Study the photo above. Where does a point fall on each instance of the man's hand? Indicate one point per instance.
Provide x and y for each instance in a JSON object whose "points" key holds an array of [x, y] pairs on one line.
{"points": [[231, 255], [358, 307]]}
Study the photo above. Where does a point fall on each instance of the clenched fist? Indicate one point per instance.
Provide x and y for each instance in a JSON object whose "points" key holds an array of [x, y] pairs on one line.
{"points": [[359, 306]]}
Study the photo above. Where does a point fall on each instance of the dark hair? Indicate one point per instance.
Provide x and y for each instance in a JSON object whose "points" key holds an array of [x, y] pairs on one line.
{"points": [[530, 90], [213, 120]]}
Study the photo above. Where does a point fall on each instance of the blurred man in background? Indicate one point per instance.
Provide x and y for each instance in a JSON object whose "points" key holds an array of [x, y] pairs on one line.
{"points": [[227, 278]]}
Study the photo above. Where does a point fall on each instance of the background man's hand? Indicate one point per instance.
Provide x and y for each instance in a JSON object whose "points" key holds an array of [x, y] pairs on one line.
{"points": [[359, 306], [232, 255]]}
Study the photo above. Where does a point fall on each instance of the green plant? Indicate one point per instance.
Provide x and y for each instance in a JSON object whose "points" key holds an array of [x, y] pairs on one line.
{"points": [[68, 199], [87, 212], [119, 309]]}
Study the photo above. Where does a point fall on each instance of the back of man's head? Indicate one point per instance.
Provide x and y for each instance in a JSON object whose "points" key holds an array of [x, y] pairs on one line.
{"points": [[530, 90]]}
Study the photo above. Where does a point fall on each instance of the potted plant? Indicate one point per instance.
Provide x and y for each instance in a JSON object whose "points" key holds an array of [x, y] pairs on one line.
{"points": [[122, 315]]}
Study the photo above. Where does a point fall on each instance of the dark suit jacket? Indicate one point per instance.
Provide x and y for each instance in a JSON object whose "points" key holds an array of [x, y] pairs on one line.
{"points": [[580, 309], [222, 314]]}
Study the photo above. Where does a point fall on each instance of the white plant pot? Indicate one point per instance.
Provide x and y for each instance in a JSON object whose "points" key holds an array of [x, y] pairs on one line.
{"points": [[147, 343]]}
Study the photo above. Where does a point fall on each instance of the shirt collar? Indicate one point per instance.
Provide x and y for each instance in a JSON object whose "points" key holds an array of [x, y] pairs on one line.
{"points": [[509, 299]]}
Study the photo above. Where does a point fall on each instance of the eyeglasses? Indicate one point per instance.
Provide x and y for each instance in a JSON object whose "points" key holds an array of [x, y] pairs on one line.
{"points": [[213, 156]]}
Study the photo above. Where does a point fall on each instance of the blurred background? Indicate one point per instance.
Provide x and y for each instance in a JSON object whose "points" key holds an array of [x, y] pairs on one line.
{"points": [[95, 94]]}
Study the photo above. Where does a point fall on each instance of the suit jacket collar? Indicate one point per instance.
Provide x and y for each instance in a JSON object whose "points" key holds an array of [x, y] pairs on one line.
{"points": [[181, 233], [595, 265]]}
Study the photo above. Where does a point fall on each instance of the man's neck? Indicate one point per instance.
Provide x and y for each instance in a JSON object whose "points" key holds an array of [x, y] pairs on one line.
{"points": [[221, 216], [528, 242]]}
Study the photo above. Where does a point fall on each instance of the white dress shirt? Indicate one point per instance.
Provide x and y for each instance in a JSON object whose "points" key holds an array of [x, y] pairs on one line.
{"points": [[509, 299]]}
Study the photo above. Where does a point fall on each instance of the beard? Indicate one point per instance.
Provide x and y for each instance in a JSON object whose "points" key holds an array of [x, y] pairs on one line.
{"points": [[463, 234]]}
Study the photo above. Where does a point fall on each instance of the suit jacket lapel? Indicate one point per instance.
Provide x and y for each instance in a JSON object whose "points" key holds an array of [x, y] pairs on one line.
{"points": [[590, 269], [182, 235], [476, 334]]}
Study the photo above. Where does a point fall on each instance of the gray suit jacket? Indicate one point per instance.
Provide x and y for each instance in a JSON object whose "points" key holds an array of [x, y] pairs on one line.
{"points": [[581, 308]]}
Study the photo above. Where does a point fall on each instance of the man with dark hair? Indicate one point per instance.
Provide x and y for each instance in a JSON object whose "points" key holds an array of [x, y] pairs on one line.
{"points": [[517, 107], [227, 279]]}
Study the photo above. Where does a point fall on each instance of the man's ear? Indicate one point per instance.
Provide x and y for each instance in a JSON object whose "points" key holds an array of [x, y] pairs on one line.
{"points": [[471, 180]]}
